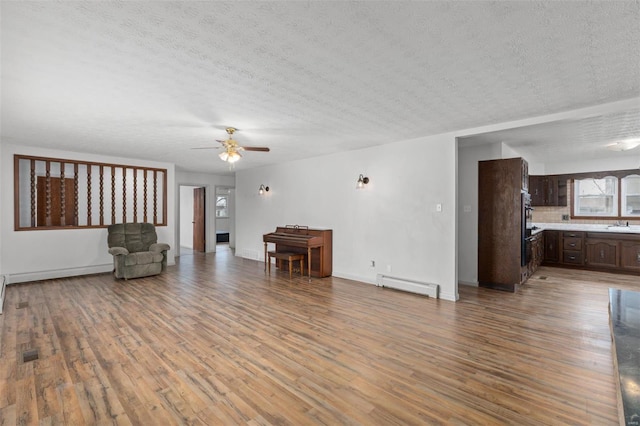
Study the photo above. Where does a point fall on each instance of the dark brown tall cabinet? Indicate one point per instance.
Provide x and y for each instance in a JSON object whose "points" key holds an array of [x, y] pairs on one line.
{"points": [[501, 215]]}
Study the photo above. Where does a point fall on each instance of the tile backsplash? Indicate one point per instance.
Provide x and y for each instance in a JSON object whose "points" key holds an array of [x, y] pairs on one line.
{"points": [[554, 215]]}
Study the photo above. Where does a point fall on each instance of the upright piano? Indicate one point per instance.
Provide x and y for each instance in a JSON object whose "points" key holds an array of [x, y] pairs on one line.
{"points": [[315, 243]]}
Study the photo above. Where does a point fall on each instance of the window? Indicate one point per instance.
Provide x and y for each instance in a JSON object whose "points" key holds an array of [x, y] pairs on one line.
{"points": [[631, 195], [596, 197], [222, 208], [616, 196]]}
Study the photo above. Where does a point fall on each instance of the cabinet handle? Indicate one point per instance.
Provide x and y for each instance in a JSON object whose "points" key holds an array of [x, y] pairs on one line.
{"points": [[572, 244], [601, 254], [572, 258]]}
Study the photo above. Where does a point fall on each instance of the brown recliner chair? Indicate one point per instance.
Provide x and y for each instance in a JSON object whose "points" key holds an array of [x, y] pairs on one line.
{"points": [[136, 251]]}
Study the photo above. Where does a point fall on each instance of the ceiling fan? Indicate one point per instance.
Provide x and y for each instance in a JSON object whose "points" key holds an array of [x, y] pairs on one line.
{"points": [[231, 152]]}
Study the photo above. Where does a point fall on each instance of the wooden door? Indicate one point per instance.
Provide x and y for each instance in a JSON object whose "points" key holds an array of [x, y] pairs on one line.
{"points": [[199, 240]]}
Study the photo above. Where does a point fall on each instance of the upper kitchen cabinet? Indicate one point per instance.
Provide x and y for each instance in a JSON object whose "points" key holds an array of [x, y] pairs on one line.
{"points": [[548, 190]]}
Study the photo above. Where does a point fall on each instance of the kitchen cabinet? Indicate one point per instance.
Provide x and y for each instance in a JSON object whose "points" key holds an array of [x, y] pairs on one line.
{"points": [[501, 245], [548, 190], [598, 250], [537, 252], [536, 190], [602, 253], [630, 255], [572, 248], [551, 246], [561, 192]]}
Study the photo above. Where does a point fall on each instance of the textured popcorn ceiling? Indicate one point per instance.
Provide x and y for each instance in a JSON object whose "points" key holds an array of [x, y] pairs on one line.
{"points": [[155, 79]]}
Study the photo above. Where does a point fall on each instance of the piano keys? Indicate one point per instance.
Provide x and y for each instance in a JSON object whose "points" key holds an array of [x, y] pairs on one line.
{"points": [[315, 243]]}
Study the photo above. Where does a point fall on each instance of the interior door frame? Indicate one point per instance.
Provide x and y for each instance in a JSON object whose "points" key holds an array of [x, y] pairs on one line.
{"points": [[203, 219]]}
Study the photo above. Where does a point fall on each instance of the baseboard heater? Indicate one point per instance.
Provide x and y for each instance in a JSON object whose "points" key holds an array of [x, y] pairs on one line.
{"points": [[411, 286]]}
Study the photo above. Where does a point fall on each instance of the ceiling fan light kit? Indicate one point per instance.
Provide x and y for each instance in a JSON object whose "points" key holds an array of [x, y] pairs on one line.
{"points": [[232, 150], [230, 156]]}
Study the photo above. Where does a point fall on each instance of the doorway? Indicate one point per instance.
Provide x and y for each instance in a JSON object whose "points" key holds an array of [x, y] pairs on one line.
{"points": [[225, 218], [192, 219]]}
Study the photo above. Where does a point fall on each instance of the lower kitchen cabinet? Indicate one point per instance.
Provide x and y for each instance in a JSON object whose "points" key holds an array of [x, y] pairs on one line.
{"points": [[572, 248], [605, 251], [602, 253], [551, 246], [630, 256], [535, 252]]}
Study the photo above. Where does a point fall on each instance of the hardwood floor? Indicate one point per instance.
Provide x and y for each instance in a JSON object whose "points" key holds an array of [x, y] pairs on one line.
{"points": [[215, 341]]}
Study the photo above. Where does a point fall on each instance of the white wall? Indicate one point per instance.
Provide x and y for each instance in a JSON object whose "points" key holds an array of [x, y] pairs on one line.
{"points": [[223, 224], [209, 182], [3, 190], [232, 218], [393, 221], [34, 255]]}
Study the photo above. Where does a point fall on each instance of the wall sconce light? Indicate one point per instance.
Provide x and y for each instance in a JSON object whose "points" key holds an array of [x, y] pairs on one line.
{"points": [[362, 181], [263, 189]]}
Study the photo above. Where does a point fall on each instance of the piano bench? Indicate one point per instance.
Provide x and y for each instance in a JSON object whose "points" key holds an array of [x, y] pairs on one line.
{"points": [[289, 257]]}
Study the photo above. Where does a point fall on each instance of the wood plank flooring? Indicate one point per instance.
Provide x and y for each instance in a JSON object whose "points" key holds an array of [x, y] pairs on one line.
{"points": [[216, 341]]}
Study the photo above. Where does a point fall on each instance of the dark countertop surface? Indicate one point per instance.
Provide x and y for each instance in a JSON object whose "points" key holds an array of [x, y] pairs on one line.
{"points": [[624, 308]]}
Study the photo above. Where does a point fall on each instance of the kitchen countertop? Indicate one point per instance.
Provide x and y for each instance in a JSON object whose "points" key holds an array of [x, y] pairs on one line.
{"points": [[633, 229]]}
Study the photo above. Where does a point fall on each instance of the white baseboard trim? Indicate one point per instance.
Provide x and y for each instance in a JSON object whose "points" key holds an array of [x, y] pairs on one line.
{"points": [[451, 297], [355, 278], [63, 273], [58, 273], [443, 295]]}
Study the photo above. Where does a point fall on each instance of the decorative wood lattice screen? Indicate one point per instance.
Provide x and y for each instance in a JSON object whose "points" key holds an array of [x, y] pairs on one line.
{"points": [[51, 193]]}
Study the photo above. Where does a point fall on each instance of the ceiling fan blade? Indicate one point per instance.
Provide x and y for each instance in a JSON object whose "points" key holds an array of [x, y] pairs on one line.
{"points": [[256, 148]]}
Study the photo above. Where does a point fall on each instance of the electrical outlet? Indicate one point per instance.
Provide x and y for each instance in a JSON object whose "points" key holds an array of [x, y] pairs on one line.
{"points": [[438, 207], [373, 264], [565, 217]]}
